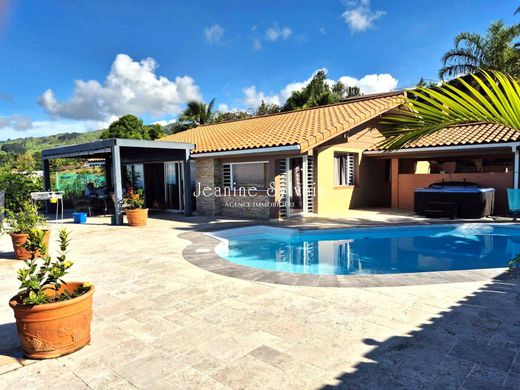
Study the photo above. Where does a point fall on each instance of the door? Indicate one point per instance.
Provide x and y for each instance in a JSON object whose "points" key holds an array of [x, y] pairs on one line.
{"points": [[174, 185]]}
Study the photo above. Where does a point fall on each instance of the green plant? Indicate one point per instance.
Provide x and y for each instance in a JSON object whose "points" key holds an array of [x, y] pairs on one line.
{"points": [[134, 200], [24, 220], [496, 50], [18, 188], [198, 113], [514, 266], [41, 283], [496, 99]]}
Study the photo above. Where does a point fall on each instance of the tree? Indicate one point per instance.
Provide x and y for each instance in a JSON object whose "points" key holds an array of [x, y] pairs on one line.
{"points": [[428, 110], [231, 116], [495, 51], [198, 113], [128, 126], [25, 162], [266, 109], [318, 92], [154, 131]]}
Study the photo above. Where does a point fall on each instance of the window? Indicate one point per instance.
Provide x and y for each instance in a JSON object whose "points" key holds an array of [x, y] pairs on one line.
{"points": [[246, 175], [345, 169]]}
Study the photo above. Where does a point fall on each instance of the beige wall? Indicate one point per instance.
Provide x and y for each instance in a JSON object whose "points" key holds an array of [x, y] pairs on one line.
{"points": [[370, 189], [407, 183]]}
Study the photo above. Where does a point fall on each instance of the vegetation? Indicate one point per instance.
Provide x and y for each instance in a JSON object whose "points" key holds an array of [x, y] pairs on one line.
{"points": [[496, 99], [41, 283], [130, 126], [134, 200], [23, 221], [266, 109], [514, 266], [231, 116], [18, 187], [198, 113], [496, 50], [318, 93]]}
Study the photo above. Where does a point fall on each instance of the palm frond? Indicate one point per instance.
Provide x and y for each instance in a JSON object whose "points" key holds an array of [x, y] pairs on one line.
{"points": [[488, 96]]}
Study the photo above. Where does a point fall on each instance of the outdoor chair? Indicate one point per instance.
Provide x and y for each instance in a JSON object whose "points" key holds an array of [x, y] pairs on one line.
{"points": [[82, 205], [513, 202]]}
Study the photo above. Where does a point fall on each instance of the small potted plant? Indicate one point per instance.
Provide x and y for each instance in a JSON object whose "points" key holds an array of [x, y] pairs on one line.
{"points": [[136, 215], [52, 317], [19, 224]]}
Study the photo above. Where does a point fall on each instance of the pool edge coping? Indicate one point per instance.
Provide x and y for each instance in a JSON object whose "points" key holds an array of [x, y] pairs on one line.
{"points": [[201, 253]]}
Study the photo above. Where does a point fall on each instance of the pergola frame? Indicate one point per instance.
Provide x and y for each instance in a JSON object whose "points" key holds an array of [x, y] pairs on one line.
{"points": [[120, 151]]}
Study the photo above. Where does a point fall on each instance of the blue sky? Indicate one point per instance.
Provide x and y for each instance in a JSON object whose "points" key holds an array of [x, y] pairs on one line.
{"points": [[150, 57]]}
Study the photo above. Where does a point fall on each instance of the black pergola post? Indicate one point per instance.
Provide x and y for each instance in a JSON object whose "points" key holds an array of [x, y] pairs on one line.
{"points": [[187, 187], [46, 180]]}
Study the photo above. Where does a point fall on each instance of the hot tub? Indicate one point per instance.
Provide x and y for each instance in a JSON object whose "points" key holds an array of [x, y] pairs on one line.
{"points": [[455, 200]]}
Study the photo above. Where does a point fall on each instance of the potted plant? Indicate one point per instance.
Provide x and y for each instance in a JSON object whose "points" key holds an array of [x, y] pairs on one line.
{"points": [[19, 224], [52, 317], [136, 215]]}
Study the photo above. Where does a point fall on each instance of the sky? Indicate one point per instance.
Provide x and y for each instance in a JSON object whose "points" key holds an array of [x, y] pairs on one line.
{"points": [[78, 65]]}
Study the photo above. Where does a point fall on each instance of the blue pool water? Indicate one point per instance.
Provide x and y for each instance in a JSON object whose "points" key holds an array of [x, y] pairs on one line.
{"points": [[384, 250]]}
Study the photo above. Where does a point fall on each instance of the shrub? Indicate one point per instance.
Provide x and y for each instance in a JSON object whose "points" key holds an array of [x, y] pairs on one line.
{"points": [[18, 188]]}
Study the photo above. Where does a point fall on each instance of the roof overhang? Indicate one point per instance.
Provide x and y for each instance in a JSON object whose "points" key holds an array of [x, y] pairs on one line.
{"points": [[105, 146], [504, 146], [247, 152]]}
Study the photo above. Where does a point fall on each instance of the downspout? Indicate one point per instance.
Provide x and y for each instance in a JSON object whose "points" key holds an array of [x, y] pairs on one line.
{"points": [[517, 166]]}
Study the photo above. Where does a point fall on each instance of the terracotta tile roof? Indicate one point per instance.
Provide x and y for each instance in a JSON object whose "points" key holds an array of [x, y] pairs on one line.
{"points": [[307, 128], [470, 134]]}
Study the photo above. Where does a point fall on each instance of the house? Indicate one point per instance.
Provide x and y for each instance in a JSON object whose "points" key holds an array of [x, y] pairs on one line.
{"points": [[325, 161]]}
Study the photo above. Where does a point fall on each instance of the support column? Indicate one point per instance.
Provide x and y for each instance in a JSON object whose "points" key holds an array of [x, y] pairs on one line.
{"points": [[46, 181], [117, 183], [187, 188], [394, 169], [515, 174]]}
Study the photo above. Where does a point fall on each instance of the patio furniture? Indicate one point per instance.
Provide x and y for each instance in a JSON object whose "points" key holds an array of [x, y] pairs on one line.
{"points": [[82, 205], [513, 202], [454, 199], [54, 197]]}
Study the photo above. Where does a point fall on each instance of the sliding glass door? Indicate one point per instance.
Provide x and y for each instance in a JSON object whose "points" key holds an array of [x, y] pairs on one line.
{"points": [[174, 185]]}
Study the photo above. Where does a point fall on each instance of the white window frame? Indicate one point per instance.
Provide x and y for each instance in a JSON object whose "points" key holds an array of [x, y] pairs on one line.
{"points": [[231, 182], [350, 178]]}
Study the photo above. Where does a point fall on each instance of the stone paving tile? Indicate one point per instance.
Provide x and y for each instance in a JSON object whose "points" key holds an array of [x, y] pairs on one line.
{"points": [[487, 355], [482, 377], [162, 322]]}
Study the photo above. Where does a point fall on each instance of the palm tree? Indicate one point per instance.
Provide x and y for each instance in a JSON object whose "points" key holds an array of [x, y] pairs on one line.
{"points": [[198, 113], [495, 51], [426, 110]]}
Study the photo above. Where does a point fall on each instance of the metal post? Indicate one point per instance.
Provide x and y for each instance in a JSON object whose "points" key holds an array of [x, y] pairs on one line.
{"points": [[517, 163], [187, 187], [47, 182], [117, 183]]}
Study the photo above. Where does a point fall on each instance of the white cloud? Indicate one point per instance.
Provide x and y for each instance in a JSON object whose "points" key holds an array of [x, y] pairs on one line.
{"points": [[15, 122], [130, 87], [257, 44], [164, 122], [252, 98], [275, 33], [371, 83], [214, 33], [223, 107], [359, 16]]}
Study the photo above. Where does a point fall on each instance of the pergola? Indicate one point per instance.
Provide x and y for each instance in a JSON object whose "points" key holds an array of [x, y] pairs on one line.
{"points": [[116, 152]]}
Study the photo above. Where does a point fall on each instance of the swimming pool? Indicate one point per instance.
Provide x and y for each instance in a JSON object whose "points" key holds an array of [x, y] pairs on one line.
{"points": [[381, 250]]}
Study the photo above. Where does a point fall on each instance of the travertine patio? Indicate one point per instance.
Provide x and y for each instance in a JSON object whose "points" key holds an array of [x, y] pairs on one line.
{"points": [[162, 322]]}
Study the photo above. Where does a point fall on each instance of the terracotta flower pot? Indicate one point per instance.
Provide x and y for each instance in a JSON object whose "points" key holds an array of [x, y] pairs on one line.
{"points": [[19, 239], [54, 329], [137, 217]]}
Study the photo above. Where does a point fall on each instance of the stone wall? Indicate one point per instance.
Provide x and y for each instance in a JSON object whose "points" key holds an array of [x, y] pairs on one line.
{"points": [[208, 174], [254, 207]]}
